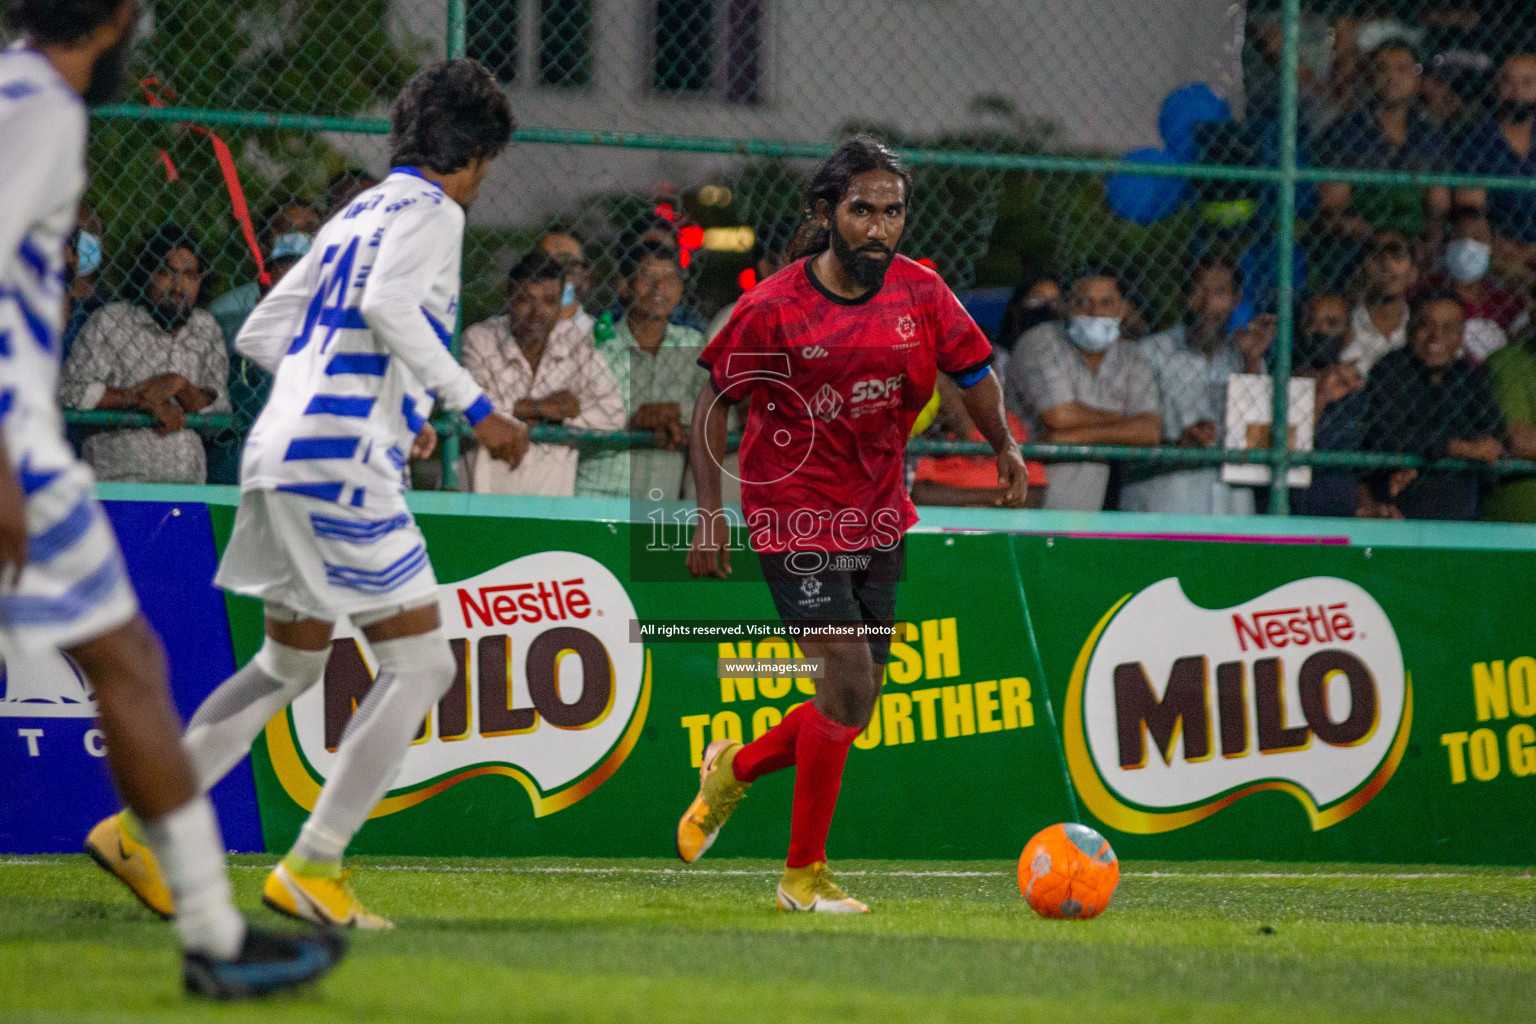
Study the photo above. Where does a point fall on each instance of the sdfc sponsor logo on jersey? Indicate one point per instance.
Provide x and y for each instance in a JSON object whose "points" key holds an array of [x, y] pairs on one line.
{"points": [[875, 393], [549, 690], [1176, 711]]}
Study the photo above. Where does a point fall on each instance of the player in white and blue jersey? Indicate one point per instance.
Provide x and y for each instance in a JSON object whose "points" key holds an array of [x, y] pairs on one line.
{"points": [[62, 579], [358, 335]]}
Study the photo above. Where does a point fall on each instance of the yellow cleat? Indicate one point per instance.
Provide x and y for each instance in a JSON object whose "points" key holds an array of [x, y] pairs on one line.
{"points": [[812, 889], [324, 901], [131, 863], [719, 793]]}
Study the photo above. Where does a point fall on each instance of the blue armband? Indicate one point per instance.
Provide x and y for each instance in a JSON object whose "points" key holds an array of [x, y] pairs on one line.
{"points": [[970, 378]]}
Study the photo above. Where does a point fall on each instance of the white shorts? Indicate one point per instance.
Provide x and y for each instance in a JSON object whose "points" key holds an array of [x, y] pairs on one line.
{"points": [[325, 560], [75, 587]]}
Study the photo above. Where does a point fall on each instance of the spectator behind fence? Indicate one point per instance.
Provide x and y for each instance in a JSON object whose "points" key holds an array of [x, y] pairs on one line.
{"points": [[1512, 378], [1430, 401], [85, 293], [1464, 273], [1390, 134], [967, 480], [346, 186], [567, 250], [1387, 277], [285, 232], [1080, 383], [656, 365], [530, 368], [1502, 144], [156, 353], [1339, 409], [644, 233], [1191, 363], [1036, 299]]}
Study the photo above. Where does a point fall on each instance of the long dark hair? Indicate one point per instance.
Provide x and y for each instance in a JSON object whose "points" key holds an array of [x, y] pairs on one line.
{"points": [[859, 155]]}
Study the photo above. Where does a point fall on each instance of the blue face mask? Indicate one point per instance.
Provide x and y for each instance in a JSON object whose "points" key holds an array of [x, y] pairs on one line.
{"points": [[568, 295], [88, 249]]}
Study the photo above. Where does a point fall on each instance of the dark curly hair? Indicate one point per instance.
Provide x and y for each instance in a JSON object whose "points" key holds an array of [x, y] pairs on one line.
{"points": [[859, 155], [60, 21], [536, 265], [448, 115]]}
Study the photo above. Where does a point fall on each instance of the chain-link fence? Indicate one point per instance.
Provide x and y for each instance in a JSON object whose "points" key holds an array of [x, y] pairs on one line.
{"points": [[1154, 208]]}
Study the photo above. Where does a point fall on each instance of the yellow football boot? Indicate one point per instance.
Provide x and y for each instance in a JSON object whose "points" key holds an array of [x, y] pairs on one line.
{"points": [[323, 901], [130, 862], [812, 889], [719, 793]]}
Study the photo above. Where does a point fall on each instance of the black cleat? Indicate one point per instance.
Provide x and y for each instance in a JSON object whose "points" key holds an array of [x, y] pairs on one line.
{"points": [[268, 962]]}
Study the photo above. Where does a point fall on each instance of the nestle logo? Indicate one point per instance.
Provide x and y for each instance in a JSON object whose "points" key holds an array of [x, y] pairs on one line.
{"points": [[525, 602], [1284, 627]]}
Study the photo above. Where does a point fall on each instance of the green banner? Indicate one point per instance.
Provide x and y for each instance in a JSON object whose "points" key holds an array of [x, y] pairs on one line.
{"points": [[1193, 699]]}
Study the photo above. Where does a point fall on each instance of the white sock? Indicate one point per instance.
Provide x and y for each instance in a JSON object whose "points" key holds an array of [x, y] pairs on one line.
{"points": [[232, 716], [414, 673], [190, 850]]}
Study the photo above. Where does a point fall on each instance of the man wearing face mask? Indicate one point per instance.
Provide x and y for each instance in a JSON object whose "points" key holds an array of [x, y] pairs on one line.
{"points": [[158, 353], [1081, 383], [1340, 406], [1465, 261], [1502, 144], [84, 290], [575, 323], [1191, 363]]}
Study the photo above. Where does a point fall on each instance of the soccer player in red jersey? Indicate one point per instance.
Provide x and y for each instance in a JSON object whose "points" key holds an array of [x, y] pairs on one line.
{"points": [[837, 353]]}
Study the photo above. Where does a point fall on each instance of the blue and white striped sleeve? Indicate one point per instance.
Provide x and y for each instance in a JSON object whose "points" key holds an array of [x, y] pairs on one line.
{"points": [[416, 246]]}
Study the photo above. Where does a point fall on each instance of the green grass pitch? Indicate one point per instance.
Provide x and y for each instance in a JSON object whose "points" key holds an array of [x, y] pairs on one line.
{"points": [[640, 941]]}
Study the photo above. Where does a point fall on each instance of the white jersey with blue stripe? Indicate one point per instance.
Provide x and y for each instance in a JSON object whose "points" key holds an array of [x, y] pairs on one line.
{"points": [[42, 173], [358, 334], [75, 587]]}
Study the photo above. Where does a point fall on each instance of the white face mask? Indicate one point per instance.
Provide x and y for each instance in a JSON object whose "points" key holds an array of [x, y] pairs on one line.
{"points": [[1094, 333], [568, 295], [1466, 259]]}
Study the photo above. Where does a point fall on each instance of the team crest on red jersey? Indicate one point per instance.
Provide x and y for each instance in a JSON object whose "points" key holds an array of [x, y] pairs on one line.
{"points": [[906, 327], [827, 403]]}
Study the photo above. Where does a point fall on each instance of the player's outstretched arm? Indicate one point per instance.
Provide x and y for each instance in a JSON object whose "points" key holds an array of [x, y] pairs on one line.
{"points": [[984, 403], [710, 552]]}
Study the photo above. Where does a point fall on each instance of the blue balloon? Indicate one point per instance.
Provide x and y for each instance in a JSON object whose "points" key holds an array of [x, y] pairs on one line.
{"points": [[1144, 199], [1186, 108]]}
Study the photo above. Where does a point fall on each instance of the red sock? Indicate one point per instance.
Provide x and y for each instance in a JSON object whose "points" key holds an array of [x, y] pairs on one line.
{"points": [[773, 751], [820, 753]]}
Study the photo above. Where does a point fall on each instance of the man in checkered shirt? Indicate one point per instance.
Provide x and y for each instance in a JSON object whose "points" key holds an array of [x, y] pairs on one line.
{"points": [[540, 375]]}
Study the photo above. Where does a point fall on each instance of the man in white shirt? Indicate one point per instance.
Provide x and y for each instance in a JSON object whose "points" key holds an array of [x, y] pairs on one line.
{"points": [[63, 584], [357, 335], [540, 375], [1380, 321]]}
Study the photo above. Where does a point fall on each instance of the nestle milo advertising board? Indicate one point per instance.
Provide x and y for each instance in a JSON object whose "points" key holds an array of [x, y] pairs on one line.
{"points": [[1278, 701], [1192, 700]]}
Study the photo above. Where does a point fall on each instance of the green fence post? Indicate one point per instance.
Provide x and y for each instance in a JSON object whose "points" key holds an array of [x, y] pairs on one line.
{"points": [[450, 444], [1280, 372], [456, 30]]}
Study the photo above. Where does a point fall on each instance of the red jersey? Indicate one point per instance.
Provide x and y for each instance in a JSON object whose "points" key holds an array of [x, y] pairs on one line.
{"points": [[835, 386]]}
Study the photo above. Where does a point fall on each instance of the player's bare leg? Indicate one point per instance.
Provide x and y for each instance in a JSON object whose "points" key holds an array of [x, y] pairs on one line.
{"points": [[416, 667]]}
